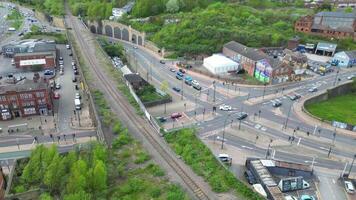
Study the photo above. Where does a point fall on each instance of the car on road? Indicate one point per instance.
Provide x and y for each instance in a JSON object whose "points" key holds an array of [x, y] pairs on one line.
{"points": [[56, 95], [176, 115], [306, 197], [241, 115], [182, 71], [162, 119], [162, 62], [179, 75], [197, 87], [276, 104], [135, 47], [176, 89], [294, 97], [68, 46], [58, 86], [349, 187], [250, 177], [188, 80], [172, 69], [350, 77], [225, 107], [313, 89]]}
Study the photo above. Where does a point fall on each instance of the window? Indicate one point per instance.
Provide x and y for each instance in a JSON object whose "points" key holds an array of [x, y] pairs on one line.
{"points": [[39, 94], [3, 98], [41, 101], [29, 111], [13, 98]]}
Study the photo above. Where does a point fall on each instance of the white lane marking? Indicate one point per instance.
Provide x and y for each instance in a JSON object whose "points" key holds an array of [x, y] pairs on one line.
{"points": [[308, 161], [334, 181], [246, 147], [323, 148]]}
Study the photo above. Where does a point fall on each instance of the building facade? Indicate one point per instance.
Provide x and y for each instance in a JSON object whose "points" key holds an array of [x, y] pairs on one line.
{"points": [[25, 98], [245, 56], [345, 59], [328, 24]]}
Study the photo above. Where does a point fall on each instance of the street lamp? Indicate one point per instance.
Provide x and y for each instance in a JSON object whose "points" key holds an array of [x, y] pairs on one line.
{"points": [[264, 91], [286, 123], [269, 146], [214, 90], [352, 164]]}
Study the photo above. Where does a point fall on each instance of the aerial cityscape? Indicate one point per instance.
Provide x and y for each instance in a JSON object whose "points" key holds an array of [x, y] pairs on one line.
{"points": [[177, 99]]}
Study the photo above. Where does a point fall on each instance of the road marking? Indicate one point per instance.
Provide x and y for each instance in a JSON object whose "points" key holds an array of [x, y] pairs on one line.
{"points": [[308, 161], [323, 148], [334, 181], [246, 147], [299, 141]]}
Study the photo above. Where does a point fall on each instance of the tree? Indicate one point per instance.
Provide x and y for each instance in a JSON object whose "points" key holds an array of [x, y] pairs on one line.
{"points": [[46, 196], [78, 195], [348, 10], [77, 179], [172, 6], [164, 86], [54, 175], [33, 172], [97, 178]]}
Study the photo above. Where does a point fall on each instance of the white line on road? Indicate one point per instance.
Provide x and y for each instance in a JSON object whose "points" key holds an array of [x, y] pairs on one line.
{"points": [[246, 147], [323, 148], [334, 181]]}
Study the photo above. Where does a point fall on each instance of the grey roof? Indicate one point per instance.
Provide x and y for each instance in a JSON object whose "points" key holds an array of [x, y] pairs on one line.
{"points": [[43, 47], [336, 14], [22, 86], [326, 46], [133, 78], [35, 53], [253, 54], [351, 54]]}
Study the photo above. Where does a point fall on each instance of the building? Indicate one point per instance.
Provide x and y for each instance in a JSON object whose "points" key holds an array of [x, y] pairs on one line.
{"points": [[325, 49], [334, 3], [345, 59], [245, 56], [136, 81], [2, 184], [24, 98], [44, 59], [328, 24], [272, 70], [117, 13], [219, 64], [295, 58]]}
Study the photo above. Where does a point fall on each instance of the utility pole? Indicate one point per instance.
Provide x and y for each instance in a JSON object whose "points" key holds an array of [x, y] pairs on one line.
{"points": [[286, 123], [352, 164], [269, 146], [214, 90], [264, 91]]}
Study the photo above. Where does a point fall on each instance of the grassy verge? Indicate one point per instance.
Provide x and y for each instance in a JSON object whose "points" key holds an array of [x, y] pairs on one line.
{"points": [[58, 37], [198, 156], [16, 19], [341, 108]]}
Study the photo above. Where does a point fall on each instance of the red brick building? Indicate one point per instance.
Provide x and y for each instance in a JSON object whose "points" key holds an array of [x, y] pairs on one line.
{"points": [[328, 24], [45, 59], [25, 98]]}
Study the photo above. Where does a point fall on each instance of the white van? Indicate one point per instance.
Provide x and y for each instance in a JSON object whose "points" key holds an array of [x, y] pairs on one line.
{"points": [[349, 187], [77, 104]]}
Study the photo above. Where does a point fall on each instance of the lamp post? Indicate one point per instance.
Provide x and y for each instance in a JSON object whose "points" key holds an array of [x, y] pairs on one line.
{"points": [[223, 138], [286, 123], [264, 91], [214, 90], [269, 146]]}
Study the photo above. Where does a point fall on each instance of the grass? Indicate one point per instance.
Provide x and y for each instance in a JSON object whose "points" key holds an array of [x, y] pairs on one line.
{"points": [[198, 156], [16, 19], [58, 37], [341, 108]]}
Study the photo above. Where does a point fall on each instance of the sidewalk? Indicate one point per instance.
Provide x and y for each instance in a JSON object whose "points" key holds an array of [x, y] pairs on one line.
{"points": [[82, 120]]}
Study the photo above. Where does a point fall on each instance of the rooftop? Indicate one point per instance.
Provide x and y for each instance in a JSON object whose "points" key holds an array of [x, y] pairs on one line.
{"points": [[336, 14], [253, 54], [324, 46], [351, 54], [22, 86], [219, 60]]}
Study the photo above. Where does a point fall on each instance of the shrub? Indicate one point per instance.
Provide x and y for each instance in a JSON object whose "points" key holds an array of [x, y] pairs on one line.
{"points": [[141, 157]]}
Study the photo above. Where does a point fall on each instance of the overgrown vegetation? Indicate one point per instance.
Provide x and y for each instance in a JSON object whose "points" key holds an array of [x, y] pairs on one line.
{"points": [[52, 7], [148, 93], [36, 33], [185, 143], [112, 49], [15, 18]]}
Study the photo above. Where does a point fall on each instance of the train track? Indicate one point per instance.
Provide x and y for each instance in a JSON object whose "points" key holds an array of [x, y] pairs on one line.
{"points": [[112, 91]]}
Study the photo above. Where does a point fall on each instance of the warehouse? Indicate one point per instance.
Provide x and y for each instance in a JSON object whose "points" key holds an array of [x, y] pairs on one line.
{"points": [[219, 64]]}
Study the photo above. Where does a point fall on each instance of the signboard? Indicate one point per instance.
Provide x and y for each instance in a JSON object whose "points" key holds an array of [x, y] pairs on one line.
{"points": [[290, 184]]}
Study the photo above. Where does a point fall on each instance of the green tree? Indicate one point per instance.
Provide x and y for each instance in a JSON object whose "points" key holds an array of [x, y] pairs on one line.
{"points": [[77, 178], [348, 10], [78, 195], [172, 6], [33, 172], [46, 196], [97, 178], [54, 176]]}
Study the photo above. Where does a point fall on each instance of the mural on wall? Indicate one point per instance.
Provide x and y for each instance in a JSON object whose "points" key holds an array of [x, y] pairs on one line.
{"points": [[263, 71]]}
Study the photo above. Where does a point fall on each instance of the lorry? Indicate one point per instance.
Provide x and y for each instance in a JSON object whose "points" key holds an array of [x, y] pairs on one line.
{"points": [[77, 103]]}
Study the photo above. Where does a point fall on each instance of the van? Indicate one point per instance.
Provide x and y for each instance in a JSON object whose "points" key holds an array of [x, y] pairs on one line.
{"points": [[349, 187], [77, 104]]}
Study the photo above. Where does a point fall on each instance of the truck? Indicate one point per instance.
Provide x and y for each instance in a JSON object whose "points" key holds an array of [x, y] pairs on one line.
{"points": [[77, 103], [188, 80]]}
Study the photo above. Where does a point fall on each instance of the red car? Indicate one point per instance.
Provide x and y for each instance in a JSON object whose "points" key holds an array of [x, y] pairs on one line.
{"points": [[176, 115], [56, 95]]}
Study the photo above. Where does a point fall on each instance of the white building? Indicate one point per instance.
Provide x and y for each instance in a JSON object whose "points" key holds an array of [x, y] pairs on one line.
{"points": [[220, 64], [119, 12]]}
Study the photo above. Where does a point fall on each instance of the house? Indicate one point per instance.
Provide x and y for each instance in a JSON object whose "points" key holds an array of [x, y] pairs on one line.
{"points": [[345, 59], [44, 59], [117, 13], [272, 70], [24, 98], [325, 49], [295, 58], [245, 56], [328, 24]]}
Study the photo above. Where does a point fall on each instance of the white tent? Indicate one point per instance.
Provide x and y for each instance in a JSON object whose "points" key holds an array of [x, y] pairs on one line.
{"points": [[219, 64]]}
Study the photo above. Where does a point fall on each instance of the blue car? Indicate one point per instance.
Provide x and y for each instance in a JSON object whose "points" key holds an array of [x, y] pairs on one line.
{"points": [[176, 89], [306, 197]]}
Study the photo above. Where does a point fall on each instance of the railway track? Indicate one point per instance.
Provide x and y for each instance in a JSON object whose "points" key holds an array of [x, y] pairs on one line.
{"points": [[147, 133]]}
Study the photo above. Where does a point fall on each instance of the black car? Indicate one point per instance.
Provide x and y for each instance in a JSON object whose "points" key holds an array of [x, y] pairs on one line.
{"points": [[250, 177], [76, 72], [162, 62], [60, 58], [197, 87], [176, 89], [182, 71], [276, 104], [162, 119], [241, 115]]}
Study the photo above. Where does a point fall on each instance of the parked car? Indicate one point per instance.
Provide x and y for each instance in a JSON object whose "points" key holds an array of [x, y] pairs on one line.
{"points": [[61, 72], [74, 79], [349, 187], [60, 58], [182, 71], [241, 115], [197, 87], [68, 46], [77, 95], [176, 115], [172, 69], [61, 62], [76, 87], [306, 197], [250, 177], [350, 77], [225, 158], [276, 104], [162, 119], [76, 72], [58, 86], [225, 107], [176, 89], [56, 95], [162, 62]]}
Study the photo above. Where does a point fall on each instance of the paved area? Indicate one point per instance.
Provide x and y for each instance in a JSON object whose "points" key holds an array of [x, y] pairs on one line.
{"points": [[318, 58]]}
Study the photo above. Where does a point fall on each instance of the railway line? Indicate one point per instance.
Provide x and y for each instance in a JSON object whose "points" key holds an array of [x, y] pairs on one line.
{"points": [[147, 131]]}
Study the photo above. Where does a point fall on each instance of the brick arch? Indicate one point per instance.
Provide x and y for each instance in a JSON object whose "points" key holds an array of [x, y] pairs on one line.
{"points": [[92, 29], [108, 30], [134, 39], [117, 33], [125, 34], [99, 29], [139, 40]]}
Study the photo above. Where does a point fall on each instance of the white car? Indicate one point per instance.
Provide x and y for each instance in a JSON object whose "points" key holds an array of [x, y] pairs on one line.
{"points": [[225, 107], [349, 187], [68, 46], [77, 95], [61, 72], [58, 86], [195, 82], [350, 77], [313, 89]]}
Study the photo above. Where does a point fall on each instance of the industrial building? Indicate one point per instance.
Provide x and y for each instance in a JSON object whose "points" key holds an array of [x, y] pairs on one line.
{"points": [[345, 59], [220, 64]]}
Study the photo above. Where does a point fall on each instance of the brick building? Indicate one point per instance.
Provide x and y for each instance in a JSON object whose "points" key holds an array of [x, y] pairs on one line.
{"points": [[245, 56], [25, 98], [328, 24], [44, 59]]}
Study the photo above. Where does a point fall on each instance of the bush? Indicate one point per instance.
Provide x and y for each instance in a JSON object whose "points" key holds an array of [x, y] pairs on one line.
{"points": [[155, 170], [122, 139], [141, 157]]}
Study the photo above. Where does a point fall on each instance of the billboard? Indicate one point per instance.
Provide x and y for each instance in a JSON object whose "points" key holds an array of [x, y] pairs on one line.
{"points": [[290, 184]]}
